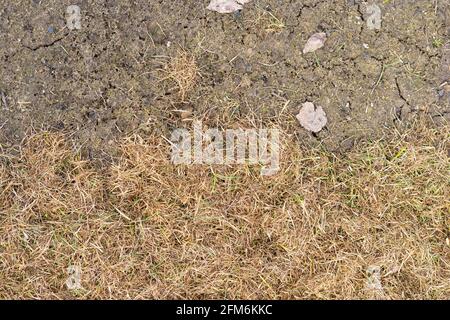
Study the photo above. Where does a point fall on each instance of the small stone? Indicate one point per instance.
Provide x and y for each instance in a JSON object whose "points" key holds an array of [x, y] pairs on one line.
{"points": [[316, 41], [227, 6], [224, 6], [312, 118]]}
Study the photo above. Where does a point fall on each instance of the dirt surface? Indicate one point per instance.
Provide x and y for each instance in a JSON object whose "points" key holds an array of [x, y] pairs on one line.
{"points": [[105, 80], [371, 222]]}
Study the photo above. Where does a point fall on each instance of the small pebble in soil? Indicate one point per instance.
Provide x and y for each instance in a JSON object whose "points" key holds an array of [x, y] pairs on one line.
{"points": [[227, 6], [316, 41], [224, 6], [312, 117]]}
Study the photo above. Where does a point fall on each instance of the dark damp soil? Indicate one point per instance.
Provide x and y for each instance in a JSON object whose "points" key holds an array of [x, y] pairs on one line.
{"points": [[103, 81]]}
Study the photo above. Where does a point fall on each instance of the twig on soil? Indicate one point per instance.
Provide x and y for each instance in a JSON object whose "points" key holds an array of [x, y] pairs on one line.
{"points": [[379, 79], [3, 124], [4, 101]]}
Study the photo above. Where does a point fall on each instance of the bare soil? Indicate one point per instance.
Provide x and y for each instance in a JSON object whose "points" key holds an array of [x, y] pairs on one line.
{"points": [[104, 81]]}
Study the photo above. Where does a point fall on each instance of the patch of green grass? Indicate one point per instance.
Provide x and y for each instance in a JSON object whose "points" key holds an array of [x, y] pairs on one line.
{"points": [[438, 42]]}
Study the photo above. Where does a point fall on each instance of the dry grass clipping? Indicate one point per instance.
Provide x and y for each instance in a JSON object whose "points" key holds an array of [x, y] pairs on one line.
{"points": [[182, 69], [144, 228]]}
